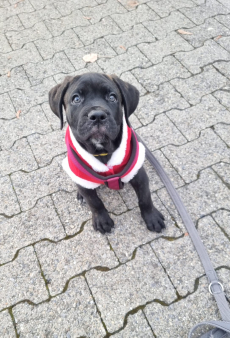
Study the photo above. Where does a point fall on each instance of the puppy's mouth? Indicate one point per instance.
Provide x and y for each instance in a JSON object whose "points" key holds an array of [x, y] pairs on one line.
{"points": [[98, 137]]}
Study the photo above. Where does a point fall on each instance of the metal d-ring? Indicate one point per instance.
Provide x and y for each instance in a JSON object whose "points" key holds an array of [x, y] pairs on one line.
{"points": [[215, 282]]}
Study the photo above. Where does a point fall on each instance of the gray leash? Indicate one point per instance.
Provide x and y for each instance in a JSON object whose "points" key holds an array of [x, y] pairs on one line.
{"points": [[221, 328]]}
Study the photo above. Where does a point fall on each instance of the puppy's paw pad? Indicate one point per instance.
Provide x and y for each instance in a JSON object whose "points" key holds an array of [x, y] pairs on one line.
{"points": [[154, 220], [102, 222]]}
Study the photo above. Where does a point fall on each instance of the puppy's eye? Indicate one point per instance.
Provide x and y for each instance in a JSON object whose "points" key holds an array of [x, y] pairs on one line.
{"points": [[112, 97], [76, 98]]}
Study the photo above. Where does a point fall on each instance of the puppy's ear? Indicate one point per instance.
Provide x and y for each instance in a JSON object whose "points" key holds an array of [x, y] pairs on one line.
{"points": [[56, 97], [129, 93]]}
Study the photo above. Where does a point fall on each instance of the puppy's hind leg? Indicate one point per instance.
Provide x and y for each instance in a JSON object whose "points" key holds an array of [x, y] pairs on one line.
{"points": [[101, 219], [152, 217]]}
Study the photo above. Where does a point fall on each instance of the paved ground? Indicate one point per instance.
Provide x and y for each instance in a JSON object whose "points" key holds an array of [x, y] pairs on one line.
{"points": [[59, 278]]}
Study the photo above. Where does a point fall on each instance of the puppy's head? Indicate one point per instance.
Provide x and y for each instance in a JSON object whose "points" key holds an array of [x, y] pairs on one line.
{"points": [[93, 103]]}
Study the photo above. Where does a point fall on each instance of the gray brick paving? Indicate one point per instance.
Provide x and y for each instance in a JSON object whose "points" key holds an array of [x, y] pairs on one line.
{"points": [[57, 316], [21, 279], [41, 222], [165, 71], [161, 100], [200, 57], [177, 319], [137, 326], [207, 113], [128, 286], [6, 325], [128, 20], [169, 45], [66, 259], [202, 84], [121, 283], [194, 156], [211, 28], [27, 124], [32, 186], [19, 157]]}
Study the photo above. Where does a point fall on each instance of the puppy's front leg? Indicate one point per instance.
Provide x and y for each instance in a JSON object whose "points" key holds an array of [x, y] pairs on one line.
{"points": [[101, 219], [152, 217]]}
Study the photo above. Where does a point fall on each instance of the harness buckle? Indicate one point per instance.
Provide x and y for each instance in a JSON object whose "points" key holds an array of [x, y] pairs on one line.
{"points": [[114, 183]]}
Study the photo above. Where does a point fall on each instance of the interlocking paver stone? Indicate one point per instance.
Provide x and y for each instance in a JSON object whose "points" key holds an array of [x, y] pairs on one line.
{"points": [[223, 97], [209, 9], [158, 50], [36, 72], [38, 31], [28, 53], [8, 200], [31, 97], [12, 130], [222, 218], [131, 59], [66, 259], [46, 147], [154, 137], [32, 186], [128, 20], [100, 47], [58, 315], [176, 20], [200, 57], [12, 23], [72, 213], [165, 7], [199, 85], [21, 280], [90, 33], [7, 110], [137, 326], [224, 19], [194, 156], [211, 28], [207, 113], [167, 70], [101, 11], [137, 34], [17, 79], [48, 48], [28, 227], [223, 170], [58, 26], [161, 100], [67, 7], [184, 266], [127, 237], [120, 290], [6, 325], [5, 46], [223, 130], [49, 12], [22, 6], [53, 120], [19, 157], [200, 197], [129, 77], [223, 67], [177, 319]]}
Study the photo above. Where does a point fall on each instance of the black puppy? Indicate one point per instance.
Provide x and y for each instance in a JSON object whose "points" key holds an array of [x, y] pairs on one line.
{"points": [[99, 134]]}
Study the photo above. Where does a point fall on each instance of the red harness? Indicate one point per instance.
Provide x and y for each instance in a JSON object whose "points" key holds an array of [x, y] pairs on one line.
{"points": [[113, 176]]}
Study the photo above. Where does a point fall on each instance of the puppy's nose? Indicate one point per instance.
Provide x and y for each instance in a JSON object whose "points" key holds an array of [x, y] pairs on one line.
{"points": [[97, 115]]}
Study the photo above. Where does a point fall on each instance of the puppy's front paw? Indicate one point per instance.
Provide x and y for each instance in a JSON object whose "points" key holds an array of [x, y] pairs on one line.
{"points": [[102, 222], [154, 220], [80, 198]]}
